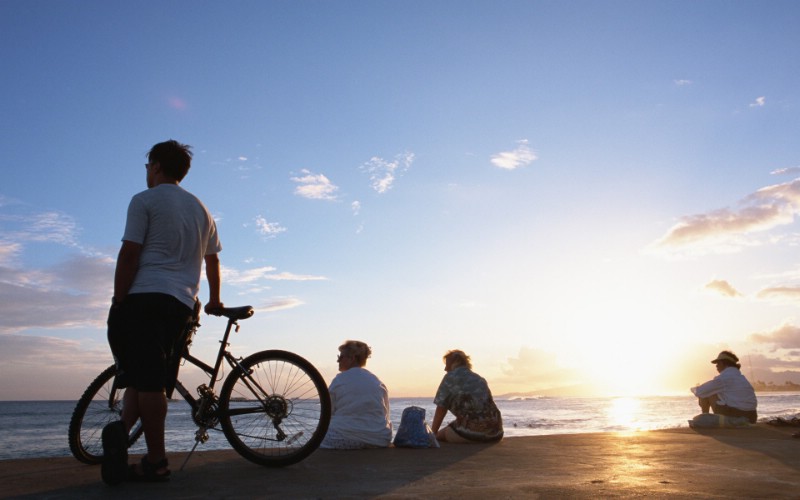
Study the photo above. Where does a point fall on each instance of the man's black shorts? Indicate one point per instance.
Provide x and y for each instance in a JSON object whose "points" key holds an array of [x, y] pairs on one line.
{"points": [[147, 335]]}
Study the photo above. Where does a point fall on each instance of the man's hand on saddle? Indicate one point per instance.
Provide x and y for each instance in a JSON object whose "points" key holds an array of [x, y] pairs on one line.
{"points": [[214, 308]]}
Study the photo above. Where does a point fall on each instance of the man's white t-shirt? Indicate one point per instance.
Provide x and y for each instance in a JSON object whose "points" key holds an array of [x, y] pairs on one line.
{"points": [[176, 232]]}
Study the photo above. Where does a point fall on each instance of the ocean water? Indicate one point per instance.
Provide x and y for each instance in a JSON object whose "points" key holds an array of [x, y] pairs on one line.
{"points": [[33, 429]]}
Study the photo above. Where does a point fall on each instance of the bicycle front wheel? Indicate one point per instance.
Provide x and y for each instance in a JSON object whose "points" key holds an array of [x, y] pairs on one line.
{"points": [[274, 408], [100, 404]]}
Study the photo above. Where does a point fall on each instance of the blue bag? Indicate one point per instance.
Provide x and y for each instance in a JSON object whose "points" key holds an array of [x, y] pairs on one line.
{"points": [[413, 431]]}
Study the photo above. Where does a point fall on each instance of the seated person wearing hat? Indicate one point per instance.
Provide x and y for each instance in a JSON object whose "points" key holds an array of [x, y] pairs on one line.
{"points": [[729, 393]]}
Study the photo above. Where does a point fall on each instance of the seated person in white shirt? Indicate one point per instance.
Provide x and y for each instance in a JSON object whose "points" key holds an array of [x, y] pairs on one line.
{"points": [[360, 403], [729, 393]]}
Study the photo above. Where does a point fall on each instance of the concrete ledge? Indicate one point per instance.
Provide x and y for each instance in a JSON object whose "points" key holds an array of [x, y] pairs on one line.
{"points": [[756, 462]]}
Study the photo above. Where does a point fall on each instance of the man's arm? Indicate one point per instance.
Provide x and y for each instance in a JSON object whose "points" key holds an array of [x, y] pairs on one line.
{"points": [[214, 282], [713, 386], [127, 267], [438, 417]]}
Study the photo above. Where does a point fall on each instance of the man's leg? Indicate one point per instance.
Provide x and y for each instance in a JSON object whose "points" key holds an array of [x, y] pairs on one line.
{"points": [[130, 407], [153, 412], [707, 403]]}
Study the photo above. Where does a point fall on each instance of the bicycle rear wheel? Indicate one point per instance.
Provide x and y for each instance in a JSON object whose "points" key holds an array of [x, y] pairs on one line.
{"points": [[276, 409], [100, 404]]}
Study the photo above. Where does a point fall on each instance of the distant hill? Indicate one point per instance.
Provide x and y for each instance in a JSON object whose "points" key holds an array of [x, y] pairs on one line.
{"points": [[787, 386]]}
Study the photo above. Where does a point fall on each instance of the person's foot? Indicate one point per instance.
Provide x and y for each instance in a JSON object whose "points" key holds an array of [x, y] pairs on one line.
{"points": [[114, 467], [148, 472]]}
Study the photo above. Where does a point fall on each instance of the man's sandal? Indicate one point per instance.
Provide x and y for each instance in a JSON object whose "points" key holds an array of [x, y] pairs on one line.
{"points": [[146, 472]]}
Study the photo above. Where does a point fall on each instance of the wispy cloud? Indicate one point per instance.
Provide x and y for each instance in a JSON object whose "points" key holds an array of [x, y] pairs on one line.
{"points": [[70, 294], [519, 157], [722, 287], [759, 102], [280, 304], [786, 171], [780, 293], [314, 186], [787, 336], [40, 227], [9, 250], [383, 173], [268, 229], [237, 277], [356, 207], [726, 230], [682, 83]]}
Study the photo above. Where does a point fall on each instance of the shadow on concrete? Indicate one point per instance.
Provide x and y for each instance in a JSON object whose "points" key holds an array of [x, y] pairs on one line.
{"points": [[224, 474], [774, 442]]}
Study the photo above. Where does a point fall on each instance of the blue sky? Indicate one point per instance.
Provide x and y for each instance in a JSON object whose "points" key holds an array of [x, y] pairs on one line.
{"points": [[580, 193]]}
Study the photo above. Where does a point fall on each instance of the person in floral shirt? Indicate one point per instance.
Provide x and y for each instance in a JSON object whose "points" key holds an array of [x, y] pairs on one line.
{"points": [[466, 395]]}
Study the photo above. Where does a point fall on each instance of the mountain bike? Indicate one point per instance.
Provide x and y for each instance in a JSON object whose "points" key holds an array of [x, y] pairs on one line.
{"points": [[274, 406]]}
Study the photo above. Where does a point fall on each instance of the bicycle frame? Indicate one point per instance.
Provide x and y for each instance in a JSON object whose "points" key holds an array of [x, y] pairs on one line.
{"points": [[206, 391]]}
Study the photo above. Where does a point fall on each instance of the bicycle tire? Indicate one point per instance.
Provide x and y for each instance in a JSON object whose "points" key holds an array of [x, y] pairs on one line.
{"points": [[275, 383], [100, 404]]}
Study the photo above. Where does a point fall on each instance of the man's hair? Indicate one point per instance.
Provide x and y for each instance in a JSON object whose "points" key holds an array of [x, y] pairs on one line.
{"points": [[175, 158], [359, 350], [458, 358]]}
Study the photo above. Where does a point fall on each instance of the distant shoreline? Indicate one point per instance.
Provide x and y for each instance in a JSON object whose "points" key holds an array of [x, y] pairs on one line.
{"points": [[776, 388]]}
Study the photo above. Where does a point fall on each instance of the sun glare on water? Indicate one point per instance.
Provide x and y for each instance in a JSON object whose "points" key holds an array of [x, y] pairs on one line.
{"points": [[622, 413]]}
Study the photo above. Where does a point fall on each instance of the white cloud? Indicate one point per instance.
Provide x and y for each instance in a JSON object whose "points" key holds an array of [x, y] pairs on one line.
{"points": [[759, 102], [722, 287], [682, 83], [519, 157], [314, 186], [726, 230], [356, 207], [268, 229], [383, 173]]}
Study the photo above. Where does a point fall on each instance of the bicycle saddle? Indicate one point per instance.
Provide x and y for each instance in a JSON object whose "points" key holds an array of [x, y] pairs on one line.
{"points": [[234, 313]]}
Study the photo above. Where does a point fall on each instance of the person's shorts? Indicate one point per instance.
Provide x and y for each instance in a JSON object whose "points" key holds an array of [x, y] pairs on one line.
{"points": [[147, 335]]}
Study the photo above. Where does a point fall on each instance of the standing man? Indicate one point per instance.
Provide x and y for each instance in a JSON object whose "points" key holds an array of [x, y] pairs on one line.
{"points": [[729, 393], [169, 233]]}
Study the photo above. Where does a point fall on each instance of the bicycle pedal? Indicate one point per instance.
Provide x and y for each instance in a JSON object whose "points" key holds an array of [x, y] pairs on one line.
{"points": [[294, 438]]}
